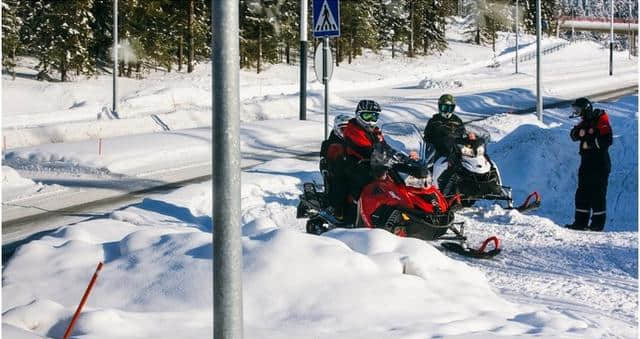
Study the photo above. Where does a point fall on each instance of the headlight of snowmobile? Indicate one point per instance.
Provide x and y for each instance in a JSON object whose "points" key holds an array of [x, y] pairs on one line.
{"points": [[416, 182], [466, 151], [480, 150]]}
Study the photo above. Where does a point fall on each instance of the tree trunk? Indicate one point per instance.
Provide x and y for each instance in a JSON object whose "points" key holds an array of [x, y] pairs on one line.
{"points": [[191, 43], [129, 70], [259, 48], [411, 17], [287, 50], [493, 42], [180, 52], [337, 48], [425, 45], [393, 46], [63, 69], [478, 36], [350, 49]]}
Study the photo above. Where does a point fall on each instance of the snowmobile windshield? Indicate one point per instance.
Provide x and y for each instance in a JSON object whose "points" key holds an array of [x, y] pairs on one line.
{"points": [[405, 138]]}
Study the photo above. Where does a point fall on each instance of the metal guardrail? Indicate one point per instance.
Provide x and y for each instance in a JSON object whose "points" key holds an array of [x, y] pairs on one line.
{"points": [[532, 55]]}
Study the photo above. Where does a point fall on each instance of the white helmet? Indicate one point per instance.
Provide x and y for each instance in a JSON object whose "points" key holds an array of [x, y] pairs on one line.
{"points": [[340, 123], [367, 113]]}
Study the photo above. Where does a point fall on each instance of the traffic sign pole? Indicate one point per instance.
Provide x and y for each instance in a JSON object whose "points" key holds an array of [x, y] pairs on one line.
{"points": [[325, 80]]}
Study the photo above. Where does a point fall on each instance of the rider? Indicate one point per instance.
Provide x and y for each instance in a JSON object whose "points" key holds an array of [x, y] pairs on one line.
{"points": [[441, 131], [361, 135], [332, 164]]}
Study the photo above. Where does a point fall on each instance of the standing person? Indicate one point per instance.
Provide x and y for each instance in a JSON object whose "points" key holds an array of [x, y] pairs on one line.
{"points": [[594, 135]]}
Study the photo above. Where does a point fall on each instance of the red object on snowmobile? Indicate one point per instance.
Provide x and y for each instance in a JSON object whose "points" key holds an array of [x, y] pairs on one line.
{"points": [[386, 192]]}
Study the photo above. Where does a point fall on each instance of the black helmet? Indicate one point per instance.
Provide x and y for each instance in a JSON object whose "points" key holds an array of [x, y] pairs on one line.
{"points": [[367, 113], [582, 108], [446, 105]]}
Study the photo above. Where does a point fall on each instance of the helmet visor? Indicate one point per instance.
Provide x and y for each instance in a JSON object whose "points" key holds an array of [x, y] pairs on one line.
{"points": [[446, 108], [369, 116]]}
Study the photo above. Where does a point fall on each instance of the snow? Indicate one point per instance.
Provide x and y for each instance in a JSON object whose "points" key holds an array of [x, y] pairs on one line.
{"points": [[548, 281]]}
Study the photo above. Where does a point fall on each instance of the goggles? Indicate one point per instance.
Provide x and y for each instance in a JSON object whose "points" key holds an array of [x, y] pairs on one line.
{"points": [[369, 116], [446, 108]]}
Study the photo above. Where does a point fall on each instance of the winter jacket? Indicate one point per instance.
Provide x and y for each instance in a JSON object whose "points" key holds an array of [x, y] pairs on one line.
{"points": [[594, 136], [359, 141], [441, 132]]}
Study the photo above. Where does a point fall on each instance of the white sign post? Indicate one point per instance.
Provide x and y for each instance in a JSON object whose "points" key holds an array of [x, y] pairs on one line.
{"points": [[326, 23]]}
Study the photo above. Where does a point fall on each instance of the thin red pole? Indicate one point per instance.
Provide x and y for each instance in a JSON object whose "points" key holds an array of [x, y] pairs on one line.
{"points": [[67, 333]]}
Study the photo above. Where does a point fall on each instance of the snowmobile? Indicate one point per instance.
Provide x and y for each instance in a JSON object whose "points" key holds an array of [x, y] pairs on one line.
{"points": [[471, 173], [401, 199]]}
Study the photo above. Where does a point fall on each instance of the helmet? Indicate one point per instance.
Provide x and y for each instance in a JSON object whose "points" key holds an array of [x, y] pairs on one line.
{"points": [[339, 124], [446, 105], [367, 113], [582, 108]]}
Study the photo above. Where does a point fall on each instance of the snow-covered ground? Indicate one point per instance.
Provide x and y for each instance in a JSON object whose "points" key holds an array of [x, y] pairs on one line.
{"points": [[548, 282]]}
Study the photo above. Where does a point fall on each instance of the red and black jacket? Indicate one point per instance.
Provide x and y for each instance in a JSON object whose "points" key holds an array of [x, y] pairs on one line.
{"points": [[595, 135], [359, 141]]}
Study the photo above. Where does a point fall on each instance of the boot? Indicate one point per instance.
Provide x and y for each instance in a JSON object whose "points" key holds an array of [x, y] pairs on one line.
{"points": [[597, 221], [581, 221]]}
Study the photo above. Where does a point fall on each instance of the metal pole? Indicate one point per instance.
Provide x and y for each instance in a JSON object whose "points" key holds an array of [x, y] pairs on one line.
{"points": [[227, 246], [517, 32], [629, 32], [538, 70], [325, 81], [114, 108], [611, 43], [303, 59]]}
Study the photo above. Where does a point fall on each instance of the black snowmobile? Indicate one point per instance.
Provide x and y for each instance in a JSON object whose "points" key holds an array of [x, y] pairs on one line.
{"points": [[470, 172]]}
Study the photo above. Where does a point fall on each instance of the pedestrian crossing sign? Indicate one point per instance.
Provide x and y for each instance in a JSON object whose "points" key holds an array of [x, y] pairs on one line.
{"points": [[326, 18]]}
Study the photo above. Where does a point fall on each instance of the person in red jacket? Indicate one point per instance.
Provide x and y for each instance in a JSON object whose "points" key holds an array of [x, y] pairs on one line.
{"points": [[361, 135], [594, 135]]}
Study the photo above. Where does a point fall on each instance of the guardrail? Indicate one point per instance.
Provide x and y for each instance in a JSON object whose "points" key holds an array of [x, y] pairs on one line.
{"points": [[532, 55]]}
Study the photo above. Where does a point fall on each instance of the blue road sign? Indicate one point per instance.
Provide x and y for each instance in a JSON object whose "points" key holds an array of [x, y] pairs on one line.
{"points": [[326, 18]]}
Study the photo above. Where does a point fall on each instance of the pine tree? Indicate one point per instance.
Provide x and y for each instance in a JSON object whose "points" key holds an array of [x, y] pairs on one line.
{"points": [[395, 22], [11, 25], [430, 26]]}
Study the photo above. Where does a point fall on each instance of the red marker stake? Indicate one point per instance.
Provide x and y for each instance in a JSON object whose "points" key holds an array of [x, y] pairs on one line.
{"points": [[67, 333]]}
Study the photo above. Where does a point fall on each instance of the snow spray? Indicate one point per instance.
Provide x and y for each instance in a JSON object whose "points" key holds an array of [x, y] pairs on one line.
{"points": [[67, 333]]}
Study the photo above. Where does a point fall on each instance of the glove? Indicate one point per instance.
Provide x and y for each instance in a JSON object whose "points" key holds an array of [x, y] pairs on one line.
{"points": [[574, 134]]}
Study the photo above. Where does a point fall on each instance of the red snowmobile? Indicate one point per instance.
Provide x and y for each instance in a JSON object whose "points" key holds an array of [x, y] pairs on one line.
{"points": [[401, 200]]}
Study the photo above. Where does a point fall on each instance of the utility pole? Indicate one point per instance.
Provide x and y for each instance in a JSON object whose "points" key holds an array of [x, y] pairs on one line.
{"points": [[114, 108], [517, 33], [538, 63], [303, 59], [227, 245], [611, 44]]}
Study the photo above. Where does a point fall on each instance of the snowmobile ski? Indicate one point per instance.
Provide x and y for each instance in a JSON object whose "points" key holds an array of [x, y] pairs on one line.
{"points": [[528, 204], [480, 253]]}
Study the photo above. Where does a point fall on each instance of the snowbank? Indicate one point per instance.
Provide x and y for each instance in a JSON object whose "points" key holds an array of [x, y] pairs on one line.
{"points": [[156, 281]]}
